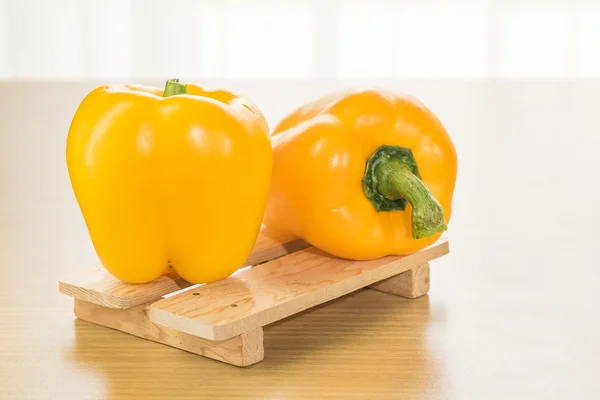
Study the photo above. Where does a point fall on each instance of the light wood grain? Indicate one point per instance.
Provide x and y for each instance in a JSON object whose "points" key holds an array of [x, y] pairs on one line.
{"points": [[329, 352], [242, 350], [96, 285], [278, 289], [410, 284], [270, 245]]}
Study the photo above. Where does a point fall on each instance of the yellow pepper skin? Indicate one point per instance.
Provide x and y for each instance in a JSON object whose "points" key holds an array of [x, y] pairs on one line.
{"points": [[177, 182], [345, 180]]}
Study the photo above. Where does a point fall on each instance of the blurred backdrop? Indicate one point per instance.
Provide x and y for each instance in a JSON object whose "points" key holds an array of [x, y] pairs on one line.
{"points": [[301, 39]]}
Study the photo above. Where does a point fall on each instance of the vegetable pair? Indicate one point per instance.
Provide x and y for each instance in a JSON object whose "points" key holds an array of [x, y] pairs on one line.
{"points": [[180, 178]]}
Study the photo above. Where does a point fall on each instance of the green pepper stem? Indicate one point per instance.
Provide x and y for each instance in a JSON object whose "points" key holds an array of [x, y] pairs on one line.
{"points": [[392, 179], [173, 87], [396, 180]]}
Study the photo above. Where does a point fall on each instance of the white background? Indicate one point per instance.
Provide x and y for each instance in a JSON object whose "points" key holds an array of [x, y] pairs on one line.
{"points": [[302, 39]]}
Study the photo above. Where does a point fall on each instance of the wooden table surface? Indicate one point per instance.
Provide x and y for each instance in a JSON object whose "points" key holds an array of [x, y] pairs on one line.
{"points": [[512, 312]]}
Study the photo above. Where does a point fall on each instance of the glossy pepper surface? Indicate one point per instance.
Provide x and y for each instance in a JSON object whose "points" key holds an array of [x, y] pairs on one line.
{"points": [[362, 174], [170, 179]]}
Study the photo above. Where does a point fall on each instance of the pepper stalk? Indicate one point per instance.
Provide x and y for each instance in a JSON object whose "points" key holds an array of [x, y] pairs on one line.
{"points": [[392, 180], [173, 87]]}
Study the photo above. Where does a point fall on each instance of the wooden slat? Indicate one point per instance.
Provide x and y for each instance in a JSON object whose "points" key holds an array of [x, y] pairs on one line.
{"points": [[270, 246], [277, 289], [96, 285], [242, 350], [410, 284]]}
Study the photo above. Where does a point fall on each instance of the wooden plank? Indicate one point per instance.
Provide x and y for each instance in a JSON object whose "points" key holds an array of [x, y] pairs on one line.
{"points": [[275, 290], [270, 246], [410, 284], [243, 350], [96, 285]]}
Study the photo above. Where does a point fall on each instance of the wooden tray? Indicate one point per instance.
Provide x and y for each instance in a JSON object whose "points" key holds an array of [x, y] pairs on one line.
{"points": [[223, 320]]}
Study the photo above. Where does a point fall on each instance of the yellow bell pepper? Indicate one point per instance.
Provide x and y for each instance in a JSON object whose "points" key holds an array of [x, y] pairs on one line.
{"points": [[174, 179], [362, 174]]}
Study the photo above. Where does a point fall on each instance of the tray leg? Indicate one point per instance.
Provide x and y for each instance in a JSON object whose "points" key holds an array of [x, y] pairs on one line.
{"points": [[243, 350], [411, 284]]}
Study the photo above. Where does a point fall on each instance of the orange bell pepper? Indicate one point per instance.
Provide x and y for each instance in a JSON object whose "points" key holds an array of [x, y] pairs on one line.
{"points": [[362, 174]]}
